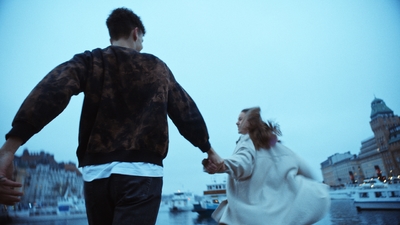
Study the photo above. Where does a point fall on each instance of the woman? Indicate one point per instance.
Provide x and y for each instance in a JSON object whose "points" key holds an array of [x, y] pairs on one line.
{"points": [[268, 183]]}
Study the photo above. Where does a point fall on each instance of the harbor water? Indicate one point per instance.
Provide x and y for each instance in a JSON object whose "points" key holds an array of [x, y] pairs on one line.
{"points": [[342, 212]]}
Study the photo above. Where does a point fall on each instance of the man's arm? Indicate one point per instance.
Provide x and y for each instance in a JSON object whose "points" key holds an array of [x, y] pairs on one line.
{"points": [[49, 97], [183, 112], [187, 118], [8, 195], [45, 102]]}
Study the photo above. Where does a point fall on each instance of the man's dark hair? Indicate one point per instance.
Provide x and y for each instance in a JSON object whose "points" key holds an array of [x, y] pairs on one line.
{"points": [[121, 22]]}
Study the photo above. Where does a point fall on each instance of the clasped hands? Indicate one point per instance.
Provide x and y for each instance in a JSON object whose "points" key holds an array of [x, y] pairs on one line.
{"points": [[214, 163], [9, 189], [8, 195]]}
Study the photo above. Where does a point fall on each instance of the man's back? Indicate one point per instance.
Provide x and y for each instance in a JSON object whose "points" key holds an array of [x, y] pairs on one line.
{"points": [[128, 96]]}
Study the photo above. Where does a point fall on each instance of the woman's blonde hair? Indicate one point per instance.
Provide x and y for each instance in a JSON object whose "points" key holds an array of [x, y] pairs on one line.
{"points": [[263, 134]]}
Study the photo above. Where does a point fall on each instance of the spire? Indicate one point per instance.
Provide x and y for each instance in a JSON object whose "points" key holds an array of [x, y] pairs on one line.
{"points": [[378, 107]]}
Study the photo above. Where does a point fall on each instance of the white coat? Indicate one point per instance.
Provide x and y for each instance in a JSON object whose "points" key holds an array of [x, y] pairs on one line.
{"points": [[272, 186]]}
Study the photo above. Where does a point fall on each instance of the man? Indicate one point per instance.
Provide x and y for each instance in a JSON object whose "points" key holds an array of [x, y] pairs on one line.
{"points": [[123, 134]]}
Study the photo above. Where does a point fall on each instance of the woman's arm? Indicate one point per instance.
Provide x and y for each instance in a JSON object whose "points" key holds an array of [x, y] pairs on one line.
{"points": [[304, 168], [240, 165]]}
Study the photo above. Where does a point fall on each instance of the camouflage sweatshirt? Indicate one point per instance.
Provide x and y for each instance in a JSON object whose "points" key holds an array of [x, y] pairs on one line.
{"points": [[127, 98]]}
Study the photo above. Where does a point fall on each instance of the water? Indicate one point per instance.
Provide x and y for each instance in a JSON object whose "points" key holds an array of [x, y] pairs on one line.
{"points": [[342, 212]]}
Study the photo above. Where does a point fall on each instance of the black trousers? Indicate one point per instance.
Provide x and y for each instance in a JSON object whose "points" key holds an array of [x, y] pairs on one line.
{"points": [[123, 200]]}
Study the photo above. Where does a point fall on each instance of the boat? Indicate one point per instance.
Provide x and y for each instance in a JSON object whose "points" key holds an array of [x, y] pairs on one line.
{"points": [[373, 183], [43, 214], [66, 209], [71, 205], [181, 201], [339, 194], [343, 192], [212, 197], [393, 180], [387, 197]]}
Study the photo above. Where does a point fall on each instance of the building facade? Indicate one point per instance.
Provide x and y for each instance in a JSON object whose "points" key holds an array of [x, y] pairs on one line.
{"points": [[340, 169], [382, 122], [44, 181], [379, 155], [394, 148]]}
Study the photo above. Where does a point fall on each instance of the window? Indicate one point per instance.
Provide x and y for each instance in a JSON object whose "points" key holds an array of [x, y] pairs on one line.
{"points": [[380, 194], [363, 194], [394, 194]]}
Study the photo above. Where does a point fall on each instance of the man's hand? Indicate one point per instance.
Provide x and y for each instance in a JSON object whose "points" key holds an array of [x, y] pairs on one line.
{"points": [[8, 195]]}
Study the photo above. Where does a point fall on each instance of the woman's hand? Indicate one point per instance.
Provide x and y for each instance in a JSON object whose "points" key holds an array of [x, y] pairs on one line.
{"points": [[214, 163]]}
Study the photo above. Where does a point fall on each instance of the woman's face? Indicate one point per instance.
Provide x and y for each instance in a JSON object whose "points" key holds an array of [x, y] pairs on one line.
{"points": [[242, 125]]}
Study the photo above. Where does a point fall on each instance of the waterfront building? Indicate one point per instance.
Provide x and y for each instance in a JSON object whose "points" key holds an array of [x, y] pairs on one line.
{"points": [[371, 159], [340, 169], [44, 180], [382, 122], [394, 148], [379, 155]]}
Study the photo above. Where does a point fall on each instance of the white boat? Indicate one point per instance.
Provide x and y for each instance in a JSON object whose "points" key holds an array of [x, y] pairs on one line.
{"points": [[212, 197], [46, 214], [181, 201], [66, 209], [343, 192], [393, 180], [71, 205], [373, 183], [387, 197]]}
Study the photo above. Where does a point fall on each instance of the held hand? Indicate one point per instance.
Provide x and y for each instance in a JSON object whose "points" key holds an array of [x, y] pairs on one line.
{"points": [[8, 195], [214, 163], [210, 167]]}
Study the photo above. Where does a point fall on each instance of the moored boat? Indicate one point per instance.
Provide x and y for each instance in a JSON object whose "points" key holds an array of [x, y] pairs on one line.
{"points": [[45, 214], [212, 197], [343, 192], [66, 209], [71, 205], [378, 198], [181, 201]]}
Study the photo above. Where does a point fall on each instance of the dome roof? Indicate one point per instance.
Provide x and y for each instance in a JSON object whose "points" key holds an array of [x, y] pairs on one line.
{"points": [[378, 106]]}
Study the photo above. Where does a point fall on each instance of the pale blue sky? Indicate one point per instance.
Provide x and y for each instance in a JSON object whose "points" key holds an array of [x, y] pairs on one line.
{"points": [[312, 66]]}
